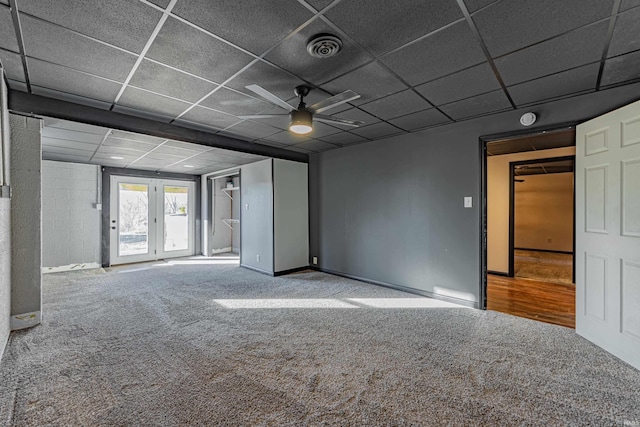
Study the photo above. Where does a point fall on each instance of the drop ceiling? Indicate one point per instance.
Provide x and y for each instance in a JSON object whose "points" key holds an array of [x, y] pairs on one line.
{"points": [[64, 140], [536, 142], [415, 63]]}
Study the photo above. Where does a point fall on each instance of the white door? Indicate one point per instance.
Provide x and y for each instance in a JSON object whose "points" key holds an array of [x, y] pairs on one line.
{"points": [[150, 219], [608, 232]]}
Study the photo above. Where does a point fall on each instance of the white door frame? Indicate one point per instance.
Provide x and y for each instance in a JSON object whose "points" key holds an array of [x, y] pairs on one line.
{"points": [[155, 220]]}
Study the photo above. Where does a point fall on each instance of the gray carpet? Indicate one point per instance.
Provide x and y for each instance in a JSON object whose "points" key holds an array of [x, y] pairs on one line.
{"points": [[150, 346]]}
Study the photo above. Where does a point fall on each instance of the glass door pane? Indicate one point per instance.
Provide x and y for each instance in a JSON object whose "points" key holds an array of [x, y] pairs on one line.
{"points": [[133, 219], [176, 218]]}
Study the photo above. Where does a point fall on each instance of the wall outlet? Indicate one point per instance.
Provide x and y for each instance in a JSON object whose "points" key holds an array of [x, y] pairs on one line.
{"points": [[468, 202], [98, 206], [314, 260], [257, 258], [246, 206]]}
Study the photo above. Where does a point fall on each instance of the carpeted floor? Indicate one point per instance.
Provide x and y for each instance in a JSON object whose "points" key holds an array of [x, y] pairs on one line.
{"points": [[548, 267], [200, 344]]}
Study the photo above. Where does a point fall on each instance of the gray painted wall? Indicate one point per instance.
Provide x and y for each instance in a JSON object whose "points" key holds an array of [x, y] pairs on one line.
{"points": [[235, 213], [391, 211], [257, 220], [291, 215], [70, 222], [26, 237]]}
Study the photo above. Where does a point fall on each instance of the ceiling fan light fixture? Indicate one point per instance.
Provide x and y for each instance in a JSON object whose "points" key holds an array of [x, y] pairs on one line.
{"points": [[301, 122]]}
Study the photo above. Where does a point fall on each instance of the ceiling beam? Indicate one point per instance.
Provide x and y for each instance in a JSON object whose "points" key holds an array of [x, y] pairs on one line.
{"points": [[39, 105]]}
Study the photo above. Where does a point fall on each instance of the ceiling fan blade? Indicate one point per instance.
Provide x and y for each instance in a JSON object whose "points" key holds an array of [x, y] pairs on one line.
{"points": [[334, 101], [263, 116], [269, 97], [338, 121]]}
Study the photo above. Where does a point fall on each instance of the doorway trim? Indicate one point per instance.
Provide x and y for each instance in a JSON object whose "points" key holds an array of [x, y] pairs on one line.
{"points": [[512, 210], [106, 202], [484, 140]]}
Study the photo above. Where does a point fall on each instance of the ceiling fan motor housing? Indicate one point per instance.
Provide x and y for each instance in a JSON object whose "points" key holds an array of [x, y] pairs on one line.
{"points": [[301, 117]]}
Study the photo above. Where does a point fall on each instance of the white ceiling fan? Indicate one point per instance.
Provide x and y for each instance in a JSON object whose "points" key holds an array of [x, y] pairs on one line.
{"points": [[302, 117]]}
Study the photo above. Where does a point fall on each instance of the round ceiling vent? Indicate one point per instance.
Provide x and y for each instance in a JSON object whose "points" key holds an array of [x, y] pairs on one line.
{"points": [[528, 119], [324, 46]]}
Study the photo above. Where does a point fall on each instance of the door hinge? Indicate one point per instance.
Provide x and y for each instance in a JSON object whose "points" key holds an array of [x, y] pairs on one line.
{"points": [[155, 251], [155, 220]]}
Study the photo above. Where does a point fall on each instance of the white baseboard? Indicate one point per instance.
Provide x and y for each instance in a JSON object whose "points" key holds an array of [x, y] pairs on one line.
{"points": [[70, 267], [220, 251], [25, 320]]}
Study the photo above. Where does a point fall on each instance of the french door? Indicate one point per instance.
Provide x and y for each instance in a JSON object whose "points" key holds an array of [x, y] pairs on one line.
{"points": [[150, 219]]}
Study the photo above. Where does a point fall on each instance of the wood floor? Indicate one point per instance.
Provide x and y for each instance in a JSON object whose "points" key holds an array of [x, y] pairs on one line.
{"points": [[546, 302]]}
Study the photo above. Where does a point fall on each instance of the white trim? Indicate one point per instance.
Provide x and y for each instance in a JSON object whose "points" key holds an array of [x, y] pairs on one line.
{"points": [[71, 267], [25, 320], [221, 251]]}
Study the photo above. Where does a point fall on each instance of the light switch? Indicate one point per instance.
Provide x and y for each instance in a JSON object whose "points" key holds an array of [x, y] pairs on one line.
{"points": [[246, 206], [468, 202]]}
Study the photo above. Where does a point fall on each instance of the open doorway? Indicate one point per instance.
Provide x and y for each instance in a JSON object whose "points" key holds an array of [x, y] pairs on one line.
{"points": [[529, 225], [224, 229]]}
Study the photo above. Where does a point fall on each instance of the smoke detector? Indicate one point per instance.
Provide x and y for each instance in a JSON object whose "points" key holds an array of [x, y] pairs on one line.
{"points": [[528, 119], [324, 46]]}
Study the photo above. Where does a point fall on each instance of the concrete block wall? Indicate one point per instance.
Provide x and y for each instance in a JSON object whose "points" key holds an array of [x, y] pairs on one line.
{"points": [[26, 236], [5, 271], [71, 224]]}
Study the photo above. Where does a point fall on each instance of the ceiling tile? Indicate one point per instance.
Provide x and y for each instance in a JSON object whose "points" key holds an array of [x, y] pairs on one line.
{"points": [[167, 81], [7, 32], [45, 74], [123, 23], [509, 25], [390, 24], [478, 105], [319, 4], [419, 120], [571, 50], [161, 3], [57, 136], [12, 64], [270, 143], [130, 136], [518, 145], [621, 69], [343, 138], [298, 149], [473, 5], [355, 114], [248, 130], [292, 55], [64, 96], [267, 76], [460, 85], [287, 138], [315, 145], [133, 145], [195, 126], [125, 151], [16, 85], [156, 104], [235, 103], [186, 48], [268, 20], [378, 130], [81, 147], [321, 130], [442, 53], [371, 82], [556, 85], [628, 4], [60, 46], [52, 124], [210, 118], [626, 34], [46, 155], [396, 105]]}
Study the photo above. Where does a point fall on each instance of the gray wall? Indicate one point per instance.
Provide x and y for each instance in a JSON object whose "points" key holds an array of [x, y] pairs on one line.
{"points": [[70, 222], [26, 235], [291, 215], [391, 211], [235, 213], [5, 227], [257, 220]]}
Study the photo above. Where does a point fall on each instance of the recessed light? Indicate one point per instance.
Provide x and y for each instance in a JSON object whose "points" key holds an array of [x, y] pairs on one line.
{"points": [[117, 158], [188, 166]]}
